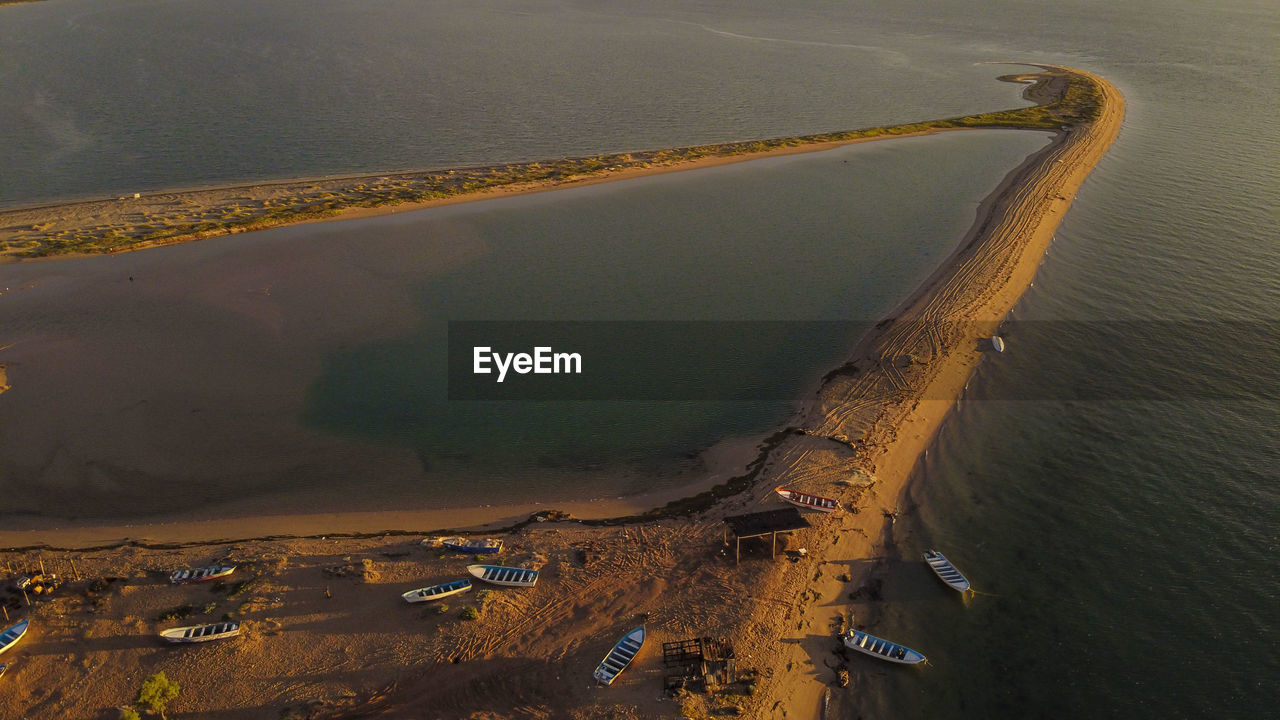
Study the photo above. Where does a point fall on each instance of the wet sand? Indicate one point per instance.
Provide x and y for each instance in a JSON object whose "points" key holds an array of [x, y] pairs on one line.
{"points": [[326, 635]]}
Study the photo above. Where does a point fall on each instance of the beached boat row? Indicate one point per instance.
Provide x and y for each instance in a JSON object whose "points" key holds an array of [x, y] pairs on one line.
{"points": [[494, 574]]}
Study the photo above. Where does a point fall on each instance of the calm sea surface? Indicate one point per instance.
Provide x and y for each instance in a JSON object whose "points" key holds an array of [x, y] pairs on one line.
{"points": [[1125, 546]]}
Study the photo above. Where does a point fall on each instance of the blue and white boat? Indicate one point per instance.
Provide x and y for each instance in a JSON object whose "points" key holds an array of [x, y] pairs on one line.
{"points": [[475, 546], [880, 648], [13, 634], [620, 656], [946, 571], [437, 592], [501, 575]]}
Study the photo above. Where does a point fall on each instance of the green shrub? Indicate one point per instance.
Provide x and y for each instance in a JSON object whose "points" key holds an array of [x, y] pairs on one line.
{"points": [[176, 613], [155, 694]]}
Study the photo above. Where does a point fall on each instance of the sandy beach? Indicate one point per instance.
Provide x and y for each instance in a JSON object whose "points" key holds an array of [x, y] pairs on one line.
{"points": [[326, 636]]}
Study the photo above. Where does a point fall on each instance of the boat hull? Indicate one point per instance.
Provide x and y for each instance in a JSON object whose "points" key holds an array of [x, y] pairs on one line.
{"points": [[425, 594], [201, 633], [505, 576], [807, 501], [620, 657], [13, 634], [195, 575], [881, 649], [475, 549], [946, 571]]}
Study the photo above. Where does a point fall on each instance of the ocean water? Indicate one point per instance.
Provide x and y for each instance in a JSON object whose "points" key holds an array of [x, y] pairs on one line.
{"points": [[1124, 547]]}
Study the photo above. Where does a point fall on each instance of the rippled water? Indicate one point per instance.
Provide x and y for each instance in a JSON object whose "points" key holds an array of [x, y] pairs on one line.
{"points": [[1127, 547]]}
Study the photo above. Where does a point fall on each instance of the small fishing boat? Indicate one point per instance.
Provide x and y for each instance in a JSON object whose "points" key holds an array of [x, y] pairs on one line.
{"points": [[946, 571], [13, 634], [476, 546], [620, 656], [997, 342], [880, 648], [202, 633], [509, 576], [201, 574], [437, 592], [805, 500]]}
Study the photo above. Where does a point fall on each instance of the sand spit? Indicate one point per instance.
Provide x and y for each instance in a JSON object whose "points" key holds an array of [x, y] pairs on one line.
{"points": [[137, 221], [327, 637]]}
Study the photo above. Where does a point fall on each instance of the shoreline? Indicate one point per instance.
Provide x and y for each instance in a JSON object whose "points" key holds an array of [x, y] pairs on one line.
{"points": [[944, 322], [1047, 89], [858, 439], [726, 461]]}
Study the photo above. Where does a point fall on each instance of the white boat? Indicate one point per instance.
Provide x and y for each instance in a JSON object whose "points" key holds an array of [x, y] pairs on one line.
{"points": [[997, 342], [13, 634], [946, 571], [201, 574], [623, 652], [881, 648], [437, 592], [476, 546], [501, 575], [201, 633], [807, 501]]}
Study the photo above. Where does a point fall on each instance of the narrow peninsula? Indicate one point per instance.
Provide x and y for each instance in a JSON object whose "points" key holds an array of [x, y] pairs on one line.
{"points": [[323, 632], [142, 220]]}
